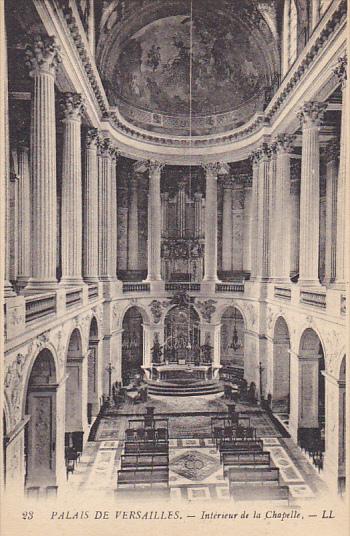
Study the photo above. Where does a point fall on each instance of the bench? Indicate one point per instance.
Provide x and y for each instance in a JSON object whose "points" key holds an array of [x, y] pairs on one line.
{"points": [[142, 477], [144, 460], [147, 448], [254, 474], [246, 458], [246, 492]]}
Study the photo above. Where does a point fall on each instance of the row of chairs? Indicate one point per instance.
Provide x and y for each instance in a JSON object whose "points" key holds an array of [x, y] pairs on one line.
{"points": [[249, 469], [144, 465]]}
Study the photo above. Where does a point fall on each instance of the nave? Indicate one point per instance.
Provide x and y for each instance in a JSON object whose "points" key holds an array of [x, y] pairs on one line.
{"points": [[194, 455]]}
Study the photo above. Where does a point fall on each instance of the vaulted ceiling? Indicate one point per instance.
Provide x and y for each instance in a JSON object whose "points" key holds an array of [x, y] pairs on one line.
{"points": [[168, 57]]}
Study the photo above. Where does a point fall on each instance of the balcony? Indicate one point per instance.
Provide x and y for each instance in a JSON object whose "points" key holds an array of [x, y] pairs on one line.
{"points": [[283, 293], [136, 287], [229, 287], [183, 285], [315, 299], [93, 292], [74, 297], [41, 306]]}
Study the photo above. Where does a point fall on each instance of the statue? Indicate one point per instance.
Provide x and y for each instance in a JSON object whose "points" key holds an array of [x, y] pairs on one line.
{"points": [[156, 350]]}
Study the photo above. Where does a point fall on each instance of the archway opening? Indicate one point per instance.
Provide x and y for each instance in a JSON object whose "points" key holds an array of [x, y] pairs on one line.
{"points": [[40, 432], [342, 427], [76, 417], [182, 335], [232, 340], [132, 346], [281, 368], [311, 427], [93, 403]]}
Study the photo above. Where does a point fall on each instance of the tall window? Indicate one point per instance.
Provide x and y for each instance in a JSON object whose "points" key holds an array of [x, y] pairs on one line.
{"points": [[290, 34]]}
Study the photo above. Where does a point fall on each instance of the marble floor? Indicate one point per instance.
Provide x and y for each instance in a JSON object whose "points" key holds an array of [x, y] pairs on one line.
{"points": [[195, 472]]}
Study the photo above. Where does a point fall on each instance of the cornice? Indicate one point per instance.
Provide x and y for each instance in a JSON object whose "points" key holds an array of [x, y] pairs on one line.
{"points": [[313, 49]]}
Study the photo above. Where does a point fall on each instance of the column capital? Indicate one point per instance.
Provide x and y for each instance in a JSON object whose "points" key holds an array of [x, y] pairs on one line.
{"points": [[284, 143], [104, 147], [340, 70], [155, 166], [216, 168], [264, 151], [331, 151], [254, 157], [72, 106], [43, 55], [92, 138], [311, 113], [114, 152]]}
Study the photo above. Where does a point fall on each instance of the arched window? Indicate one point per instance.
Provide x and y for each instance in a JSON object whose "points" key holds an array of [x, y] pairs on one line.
{"points": [[290, 34]]}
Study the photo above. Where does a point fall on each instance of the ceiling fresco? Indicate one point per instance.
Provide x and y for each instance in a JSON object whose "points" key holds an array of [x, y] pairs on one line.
{"points": [[158, 63], [153, 70]]}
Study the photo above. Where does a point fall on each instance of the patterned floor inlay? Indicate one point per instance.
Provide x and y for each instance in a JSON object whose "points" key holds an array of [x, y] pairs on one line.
{"points": [[194, 465]]}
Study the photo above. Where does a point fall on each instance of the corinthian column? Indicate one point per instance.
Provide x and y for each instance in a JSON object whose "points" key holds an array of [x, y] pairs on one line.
{"points": [[284, 146], [211, 220], [263, 261], [42, 59], [227, 227], [273, 217], [154, 222], [72, 108], [254, 217], [24, 223], [107, 245], [133, 226], [90, 215], [310, 117], [343, 189], [332, 156], [5, 153]]}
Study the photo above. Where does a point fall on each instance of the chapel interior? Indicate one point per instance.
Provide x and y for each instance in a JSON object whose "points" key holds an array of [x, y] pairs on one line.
{"points": [[176, 275]]}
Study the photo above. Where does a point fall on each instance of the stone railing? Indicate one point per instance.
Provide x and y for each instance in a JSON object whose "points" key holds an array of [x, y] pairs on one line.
{"points": [[229, 287], [39, 306], [93, 292], [190, 287], [74, 297], [315, 299], [282, 293], [136, 287]]}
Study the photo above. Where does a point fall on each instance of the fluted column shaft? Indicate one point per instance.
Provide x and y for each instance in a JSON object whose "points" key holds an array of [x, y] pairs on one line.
{"points": [[284, 147], [254, 217], [273, 219], [154, 222], [310, 117], [72, 107], [332, 154], [107, 257], [24, 223], [5, 154], [263, 214], [90, 214], [227, 227], [342, 189], [197, 214], [133, 227], [211, 224], [112, 259], [42, 59]]}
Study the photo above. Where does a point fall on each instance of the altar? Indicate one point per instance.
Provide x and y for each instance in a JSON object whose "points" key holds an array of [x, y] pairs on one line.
{"points": [[182, 373]]}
